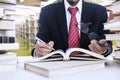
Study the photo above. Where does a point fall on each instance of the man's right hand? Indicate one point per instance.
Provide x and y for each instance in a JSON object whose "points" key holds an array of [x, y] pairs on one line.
{"points": [[42, 49]]}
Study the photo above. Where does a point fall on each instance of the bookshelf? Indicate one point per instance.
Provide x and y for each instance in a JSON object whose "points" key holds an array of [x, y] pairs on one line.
{"points": [[26, 31], [32, 25], [7, 26], [116, 11], [114, 26], [1, 12], [8, 60]]}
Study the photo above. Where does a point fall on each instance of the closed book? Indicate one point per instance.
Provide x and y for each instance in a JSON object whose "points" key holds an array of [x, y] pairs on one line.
{"points": [[12, 60], [0, 39], [7, 6], [115, 7], [7, 39], [112, 37], [9, 12], [117, 53], [8, 62], [11, 39], [115, 25], [117, 60], [8, 33], [62, 68], [7, 56], [7, 68], [7, 24], [1, 12], [12, 2], [9, 46]]}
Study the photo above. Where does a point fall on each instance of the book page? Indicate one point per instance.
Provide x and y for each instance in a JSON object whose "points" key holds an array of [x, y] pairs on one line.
{"points": [[84, 58], [70, 50], [50, 56]]}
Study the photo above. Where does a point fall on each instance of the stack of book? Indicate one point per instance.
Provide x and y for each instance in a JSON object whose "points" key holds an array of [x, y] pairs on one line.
{"points": [[114, 27], [59, 63], [1, 12], [8, 62], [117, 52], [7, 25]]}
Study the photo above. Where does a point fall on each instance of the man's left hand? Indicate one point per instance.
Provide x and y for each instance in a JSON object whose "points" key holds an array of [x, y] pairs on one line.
{"points": [[99, 47]]}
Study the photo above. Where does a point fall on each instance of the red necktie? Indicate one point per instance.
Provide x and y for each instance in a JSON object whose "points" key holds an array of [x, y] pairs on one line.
{"points": [[73, 35]]}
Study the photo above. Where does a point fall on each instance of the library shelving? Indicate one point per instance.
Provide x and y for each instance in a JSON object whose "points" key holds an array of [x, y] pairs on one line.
{"points": [[7, 37], [114, 26], [27, 31], [7, 26]]}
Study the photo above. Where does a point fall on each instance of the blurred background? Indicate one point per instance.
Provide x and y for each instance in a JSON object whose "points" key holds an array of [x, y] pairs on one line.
{"points": [[19, 22]]}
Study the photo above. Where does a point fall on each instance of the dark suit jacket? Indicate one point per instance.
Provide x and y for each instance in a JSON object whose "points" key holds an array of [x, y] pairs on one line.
{"points": [[53, 26]]}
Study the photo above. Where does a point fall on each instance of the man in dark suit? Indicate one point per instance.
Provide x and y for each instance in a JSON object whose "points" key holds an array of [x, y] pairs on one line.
{"points": [[54, 24]]}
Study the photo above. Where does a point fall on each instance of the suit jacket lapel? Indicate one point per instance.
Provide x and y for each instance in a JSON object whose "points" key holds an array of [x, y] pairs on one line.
{"points": [[62, 24]]}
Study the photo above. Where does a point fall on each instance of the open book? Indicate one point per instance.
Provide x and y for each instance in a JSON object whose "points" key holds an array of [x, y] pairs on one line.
{"points": [[61, 55]]}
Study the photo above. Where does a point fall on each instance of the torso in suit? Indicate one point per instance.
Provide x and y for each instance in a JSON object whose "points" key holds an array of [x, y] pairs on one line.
{"points": [[53, 26]]}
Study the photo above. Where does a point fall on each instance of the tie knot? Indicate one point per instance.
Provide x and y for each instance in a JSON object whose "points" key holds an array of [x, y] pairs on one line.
{"points": [[72, 10]]}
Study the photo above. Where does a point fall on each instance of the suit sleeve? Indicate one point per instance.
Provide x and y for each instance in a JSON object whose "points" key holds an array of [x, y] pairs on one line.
{"points": [[101, 31], [100, 17], [43, 32]]}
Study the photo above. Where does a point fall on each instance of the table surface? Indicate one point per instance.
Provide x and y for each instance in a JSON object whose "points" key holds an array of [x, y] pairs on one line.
{"points": [[110, 72]]}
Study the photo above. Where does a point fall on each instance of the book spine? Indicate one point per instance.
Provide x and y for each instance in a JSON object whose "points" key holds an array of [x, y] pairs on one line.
{"points": [[9, 46], [1, 13], [7, 24], [7, 39]]}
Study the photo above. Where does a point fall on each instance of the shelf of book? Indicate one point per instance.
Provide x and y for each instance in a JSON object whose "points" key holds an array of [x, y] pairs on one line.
{"points": [[26, 31], [32, 23], [8, 60], [1, 12], [7, 27], [114, 27]]}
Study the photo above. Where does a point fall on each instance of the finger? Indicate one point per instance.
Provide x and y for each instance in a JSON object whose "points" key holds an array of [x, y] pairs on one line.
{"points": [[95, 43], [40, 51], [51, 44], [104, 42], [42, 45], [40, 54], [100, 45], [94, 49]]}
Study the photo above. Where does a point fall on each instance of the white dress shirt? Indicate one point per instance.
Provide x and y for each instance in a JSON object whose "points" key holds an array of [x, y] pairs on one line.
{"points": [[68, 15]]}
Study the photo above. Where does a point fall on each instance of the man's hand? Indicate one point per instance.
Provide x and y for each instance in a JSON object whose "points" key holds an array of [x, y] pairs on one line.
{"points": [[42, 49], [99, 47]]}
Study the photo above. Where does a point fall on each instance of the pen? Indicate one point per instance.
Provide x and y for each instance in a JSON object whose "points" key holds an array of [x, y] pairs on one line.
{"points": [[42, 41]]}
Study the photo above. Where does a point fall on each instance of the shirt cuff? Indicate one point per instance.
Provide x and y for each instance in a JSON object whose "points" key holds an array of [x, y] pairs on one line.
{"points": [[107, 52]]}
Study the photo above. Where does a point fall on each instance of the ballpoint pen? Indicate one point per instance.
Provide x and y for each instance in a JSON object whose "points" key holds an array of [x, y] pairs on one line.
{"points": [[42, 41]]}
